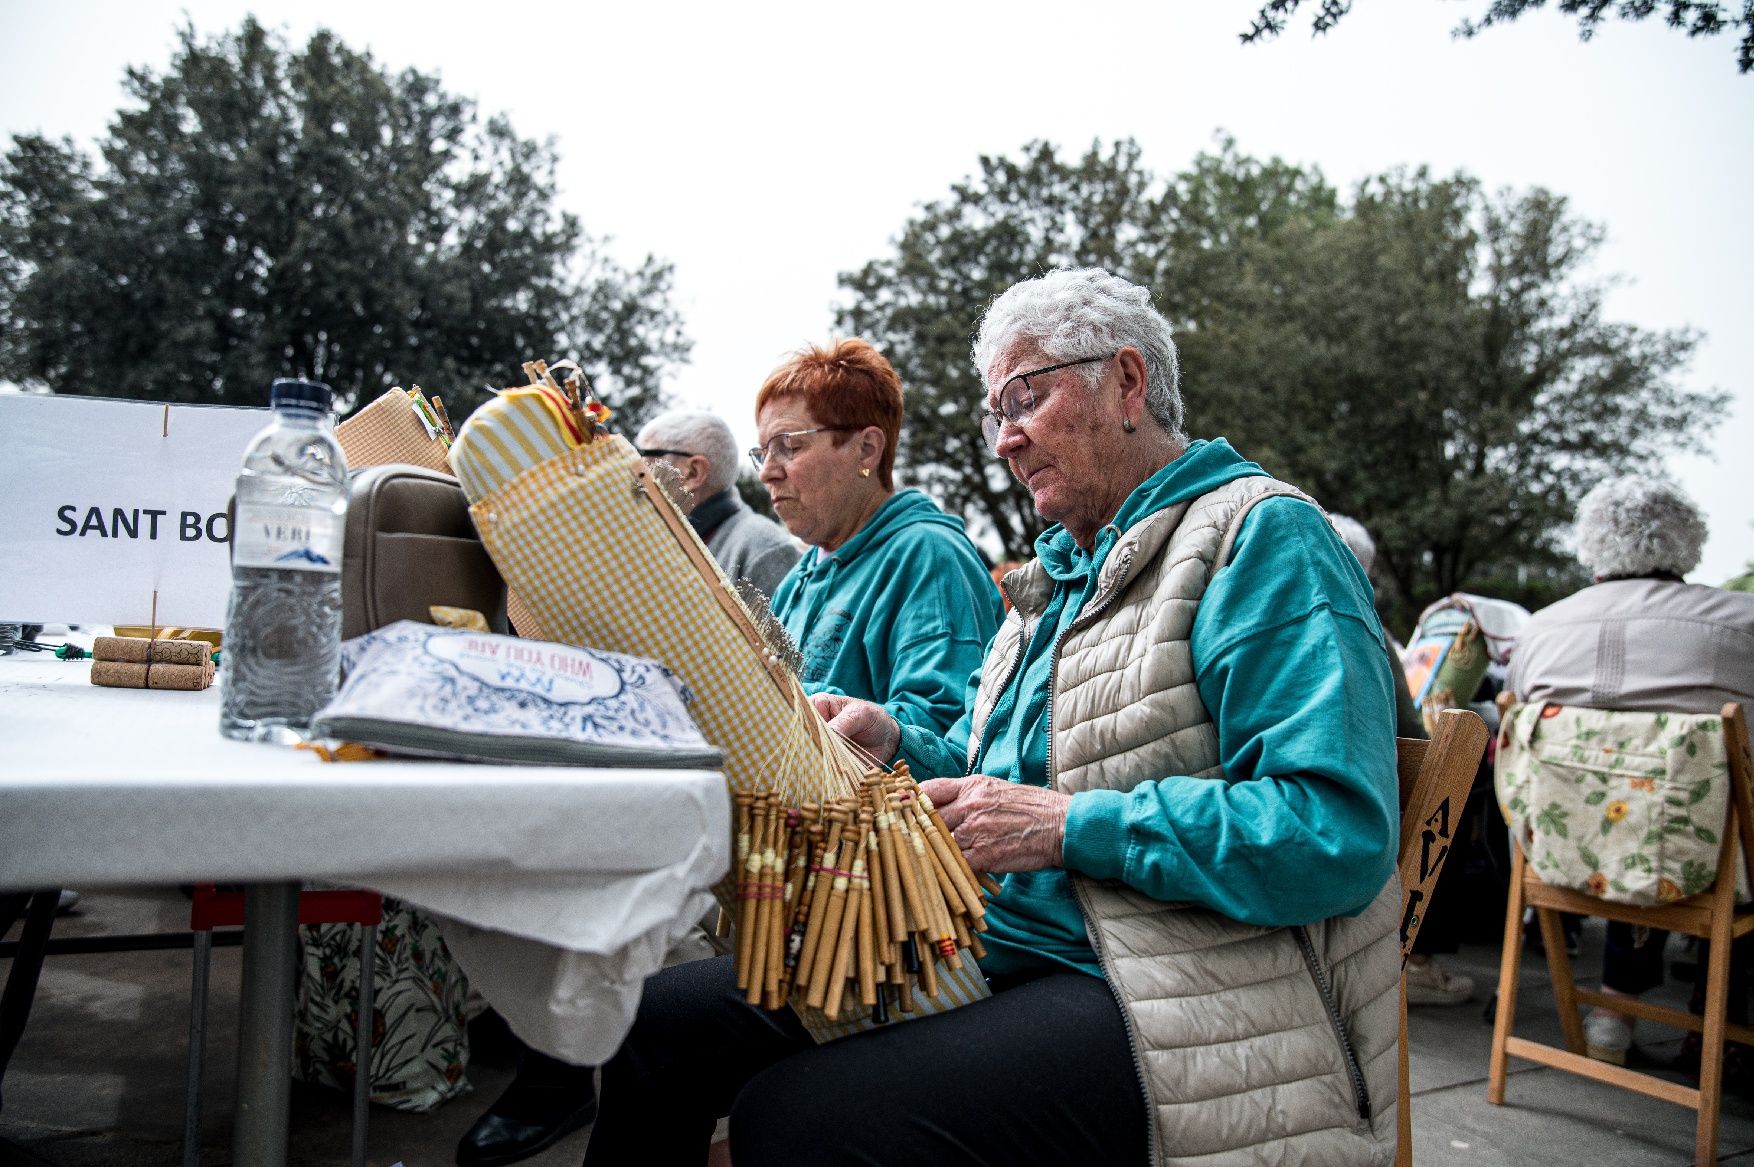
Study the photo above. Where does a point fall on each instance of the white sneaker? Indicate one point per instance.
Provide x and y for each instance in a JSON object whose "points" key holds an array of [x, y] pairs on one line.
{"points": [[1428, 984], [1607, 1036]]}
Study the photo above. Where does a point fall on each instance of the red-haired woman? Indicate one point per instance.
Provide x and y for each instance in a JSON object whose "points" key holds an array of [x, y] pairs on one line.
{"points": [[892, 603]]}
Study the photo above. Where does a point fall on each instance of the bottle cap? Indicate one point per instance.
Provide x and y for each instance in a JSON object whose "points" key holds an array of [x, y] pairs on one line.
{"points": [[289, 393]]}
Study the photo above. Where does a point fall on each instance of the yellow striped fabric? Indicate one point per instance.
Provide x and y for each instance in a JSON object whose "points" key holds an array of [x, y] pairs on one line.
{"points": [[514, 431], [964, 986]]}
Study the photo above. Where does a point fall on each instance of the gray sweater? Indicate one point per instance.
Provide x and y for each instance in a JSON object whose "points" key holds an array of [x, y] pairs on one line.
{"points": [[745, 545], [1647, 644]]}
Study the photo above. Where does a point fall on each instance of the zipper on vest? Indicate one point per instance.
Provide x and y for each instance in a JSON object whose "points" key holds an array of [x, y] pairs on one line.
{"points": [[1098, 942], [1325, 988]]}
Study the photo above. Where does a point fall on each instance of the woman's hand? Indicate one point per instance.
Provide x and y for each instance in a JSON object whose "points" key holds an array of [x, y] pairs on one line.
{"points": [[1002, 826], [866, 724]]}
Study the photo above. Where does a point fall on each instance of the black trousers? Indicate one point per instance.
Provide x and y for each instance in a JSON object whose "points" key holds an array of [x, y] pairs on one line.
{"points": [[1040, 1073]]}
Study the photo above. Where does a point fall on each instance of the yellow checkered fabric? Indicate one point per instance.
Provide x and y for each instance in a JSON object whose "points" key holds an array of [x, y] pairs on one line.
{"points": [[516, 430], [582, 543], [388, 430], [587, 552]]}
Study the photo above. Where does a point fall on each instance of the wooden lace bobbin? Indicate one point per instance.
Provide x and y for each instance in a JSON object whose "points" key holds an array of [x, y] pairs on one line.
{"points": [[780, 923], [894, 905], [772, 908], [857, 885], [824, 880], [823, 963], [895, 915], [974, 882], [879, 924], [928, 975], [941, 933], [950, 857], [813, 844], [759, 904], [960, 920], [798, 850], [867, 966], [745, 877], [902, 848]]}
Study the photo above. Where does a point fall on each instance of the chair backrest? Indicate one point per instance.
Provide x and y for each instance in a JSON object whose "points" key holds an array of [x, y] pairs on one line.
{"points": [[1622, 751], [1435, 779]]}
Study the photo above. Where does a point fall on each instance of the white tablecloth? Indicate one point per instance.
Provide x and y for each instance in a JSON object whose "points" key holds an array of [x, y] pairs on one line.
{"points": [[559, 889]]}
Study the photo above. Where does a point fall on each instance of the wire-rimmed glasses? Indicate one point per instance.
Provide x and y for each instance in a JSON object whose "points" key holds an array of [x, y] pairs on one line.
{"points": [[1017, 400], [780, 449]]}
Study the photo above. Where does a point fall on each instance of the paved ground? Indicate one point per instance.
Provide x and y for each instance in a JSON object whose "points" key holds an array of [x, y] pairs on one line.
{"points": [[98, 1078]]}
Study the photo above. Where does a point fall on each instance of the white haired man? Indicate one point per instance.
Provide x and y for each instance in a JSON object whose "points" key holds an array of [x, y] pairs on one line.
{"points": [[1639, 638], [700, 446]]}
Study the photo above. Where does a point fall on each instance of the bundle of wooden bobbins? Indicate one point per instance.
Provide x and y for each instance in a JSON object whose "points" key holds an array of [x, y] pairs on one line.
{"points": [[860, 896]]}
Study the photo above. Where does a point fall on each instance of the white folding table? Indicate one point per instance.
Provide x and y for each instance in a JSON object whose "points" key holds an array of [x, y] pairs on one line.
{"points": [[558, 889]]}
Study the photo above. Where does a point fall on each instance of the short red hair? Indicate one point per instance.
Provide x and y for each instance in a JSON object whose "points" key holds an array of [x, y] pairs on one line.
{"points": [[847, 383]]}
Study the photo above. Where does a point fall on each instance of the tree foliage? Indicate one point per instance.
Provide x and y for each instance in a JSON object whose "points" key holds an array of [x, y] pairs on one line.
{"points": [[1018, 217], [1696, 17], [260, 212], [1425, 356]]}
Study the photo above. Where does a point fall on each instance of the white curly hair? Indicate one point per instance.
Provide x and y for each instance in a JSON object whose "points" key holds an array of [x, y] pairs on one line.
{"points": [[1083, 312], [1354, 535], [1637, 525]]}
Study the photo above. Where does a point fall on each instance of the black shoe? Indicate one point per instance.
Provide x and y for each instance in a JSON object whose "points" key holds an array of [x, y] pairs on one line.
{"points": [[525, 1120]]}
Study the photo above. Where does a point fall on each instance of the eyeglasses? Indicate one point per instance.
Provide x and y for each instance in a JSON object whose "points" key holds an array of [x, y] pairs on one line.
{"points": [[780, 449], [1017, 400], [656, 453]]}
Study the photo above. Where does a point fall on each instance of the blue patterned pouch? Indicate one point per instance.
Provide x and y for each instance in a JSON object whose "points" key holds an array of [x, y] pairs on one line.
{"points": [[413, 688]]}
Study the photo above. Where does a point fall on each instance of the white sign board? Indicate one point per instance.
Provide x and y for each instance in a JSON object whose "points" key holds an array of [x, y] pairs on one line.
{"points": [[113, 512]]}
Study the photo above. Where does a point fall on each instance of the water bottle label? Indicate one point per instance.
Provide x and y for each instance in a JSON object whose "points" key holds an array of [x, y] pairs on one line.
{"points": [[287, 537]]}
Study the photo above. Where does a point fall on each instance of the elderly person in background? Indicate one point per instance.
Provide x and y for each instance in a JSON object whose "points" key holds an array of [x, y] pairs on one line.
{"points": [[892, 603], [1638, 638], [1428, 983], [699, 446], [1182, 758], [547, 1098], [1357, 538]]}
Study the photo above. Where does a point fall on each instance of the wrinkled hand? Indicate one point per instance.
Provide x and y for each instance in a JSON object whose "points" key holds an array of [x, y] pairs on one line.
{"points": [[863, 723], [1002, 826]]}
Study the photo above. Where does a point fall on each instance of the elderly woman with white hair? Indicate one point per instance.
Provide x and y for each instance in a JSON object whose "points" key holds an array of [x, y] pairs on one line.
{"points": [[1180, 757], [1639, 638]]}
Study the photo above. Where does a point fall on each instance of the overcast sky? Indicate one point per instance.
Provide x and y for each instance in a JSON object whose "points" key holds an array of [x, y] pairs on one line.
{"points": [[765, 148]]}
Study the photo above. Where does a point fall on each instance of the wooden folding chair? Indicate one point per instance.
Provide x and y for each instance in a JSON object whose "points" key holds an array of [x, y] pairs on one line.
{"points": [[1435, 779], [1712, 915]]}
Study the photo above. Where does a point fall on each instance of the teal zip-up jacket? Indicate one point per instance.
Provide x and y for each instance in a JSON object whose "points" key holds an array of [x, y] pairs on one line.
{"points": [[1289, 661], [899, 614]]}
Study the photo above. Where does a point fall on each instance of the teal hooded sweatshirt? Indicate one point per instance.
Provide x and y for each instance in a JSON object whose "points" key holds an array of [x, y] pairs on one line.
{"points": [[1288, 658], [899, 614]]}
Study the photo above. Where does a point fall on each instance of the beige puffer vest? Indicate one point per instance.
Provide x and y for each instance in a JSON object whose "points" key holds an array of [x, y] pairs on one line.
{"points": [[1253, 1044]]}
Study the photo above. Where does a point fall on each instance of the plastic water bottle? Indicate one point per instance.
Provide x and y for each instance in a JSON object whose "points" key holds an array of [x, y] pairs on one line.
{"points": [[282, 648]]}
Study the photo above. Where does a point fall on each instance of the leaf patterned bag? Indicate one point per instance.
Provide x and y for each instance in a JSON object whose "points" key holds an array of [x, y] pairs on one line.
{"points": [[1623, 806], [420, 1043]]}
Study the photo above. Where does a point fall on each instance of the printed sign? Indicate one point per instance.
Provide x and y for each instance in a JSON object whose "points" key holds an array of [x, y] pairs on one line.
{"points": [[108, 507]]}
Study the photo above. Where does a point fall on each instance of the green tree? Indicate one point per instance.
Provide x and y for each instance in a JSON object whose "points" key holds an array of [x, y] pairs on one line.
{"points": [[260, 212], [1696, 17], [1015, 218], [1425, 357], [1457, 384]]}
